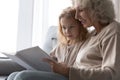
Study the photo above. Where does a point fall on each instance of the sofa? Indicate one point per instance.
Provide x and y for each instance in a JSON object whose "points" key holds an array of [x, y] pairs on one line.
{"points": [[8, 66]]}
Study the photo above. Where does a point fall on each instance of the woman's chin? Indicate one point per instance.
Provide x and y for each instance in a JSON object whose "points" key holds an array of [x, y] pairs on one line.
{"points": [[85, 26]]}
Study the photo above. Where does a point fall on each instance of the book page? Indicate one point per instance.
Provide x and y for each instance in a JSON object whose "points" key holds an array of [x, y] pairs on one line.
{"points": [[34, 56], [31, 58], [19, 61]]}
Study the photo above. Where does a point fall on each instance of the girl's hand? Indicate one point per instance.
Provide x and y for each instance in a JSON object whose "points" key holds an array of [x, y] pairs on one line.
{"points": [[60, 68]]}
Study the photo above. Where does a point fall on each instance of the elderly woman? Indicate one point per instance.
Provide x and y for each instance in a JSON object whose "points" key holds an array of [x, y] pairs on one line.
{"points": [[99, 56]]}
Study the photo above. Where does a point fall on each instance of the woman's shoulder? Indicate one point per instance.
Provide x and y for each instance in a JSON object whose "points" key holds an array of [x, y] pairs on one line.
{"points": [[113, 27], [111, 30]]}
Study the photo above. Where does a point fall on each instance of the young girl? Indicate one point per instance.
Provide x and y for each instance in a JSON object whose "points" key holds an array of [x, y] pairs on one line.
{"points": [[71, 35]]}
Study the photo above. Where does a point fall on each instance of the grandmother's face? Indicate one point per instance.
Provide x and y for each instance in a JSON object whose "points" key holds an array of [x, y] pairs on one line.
{"points": [[83, 16]]}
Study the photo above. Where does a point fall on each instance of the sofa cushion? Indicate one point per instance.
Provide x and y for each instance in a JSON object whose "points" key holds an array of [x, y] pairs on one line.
{"points": [[50, 39], [7, 66]]}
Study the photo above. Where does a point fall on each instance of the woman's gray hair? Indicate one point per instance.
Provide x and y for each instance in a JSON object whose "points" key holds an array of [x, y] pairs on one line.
{"points": [[101, 10]]}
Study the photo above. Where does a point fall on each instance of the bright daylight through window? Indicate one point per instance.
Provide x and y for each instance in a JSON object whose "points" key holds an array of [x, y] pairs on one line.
{"points": [[8, 25]]}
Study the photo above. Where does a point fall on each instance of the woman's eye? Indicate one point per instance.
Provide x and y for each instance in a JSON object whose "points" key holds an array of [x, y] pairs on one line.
{"points": [[80, 10]]}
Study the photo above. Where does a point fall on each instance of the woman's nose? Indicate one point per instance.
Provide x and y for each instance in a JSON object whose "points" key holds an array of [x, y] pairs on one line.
{"points": [[76, 15]]}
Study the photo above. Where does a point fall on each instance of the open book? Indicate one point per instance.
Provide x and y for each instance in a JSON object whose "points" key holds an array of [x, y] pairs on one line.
{"points": [[31, 58]]}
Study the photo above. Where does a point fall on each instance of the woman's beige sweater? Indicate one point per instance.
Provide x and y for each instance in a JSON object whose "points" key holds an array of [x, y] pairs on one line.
{"points": [[99, 56]]}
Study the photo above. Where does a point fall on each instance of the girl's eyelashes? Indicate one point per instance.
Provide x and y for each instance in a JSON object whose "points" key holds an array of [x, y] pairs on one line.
{"points": [[69, 27], [63, 27]]}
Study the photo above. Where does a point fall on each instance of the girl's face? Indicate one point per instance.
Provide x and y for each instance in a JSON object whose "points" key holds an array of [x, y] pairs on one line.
{"points": [[83, 16], [70, 28]]}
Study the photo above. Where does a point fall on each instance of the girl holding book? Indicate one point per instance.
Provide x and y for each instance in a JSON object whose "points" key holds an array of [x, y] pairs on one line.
{"points": [[71, 36]]}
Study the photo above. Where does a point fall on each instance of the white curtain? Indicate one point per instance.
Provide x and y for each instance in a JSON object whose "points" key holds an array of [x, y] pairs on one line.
{"points": [[117, 9], [25, 24]]}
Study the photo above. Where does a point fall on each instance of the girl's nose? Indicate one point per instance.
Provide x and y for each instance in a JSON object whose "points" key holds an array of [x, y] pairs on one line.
{"points": [[67, 30]]}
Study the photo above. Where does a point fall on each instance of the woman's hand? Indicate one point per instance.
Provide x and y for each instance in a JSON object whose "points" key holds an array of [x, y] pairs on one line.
{"points": [[60, 68]]}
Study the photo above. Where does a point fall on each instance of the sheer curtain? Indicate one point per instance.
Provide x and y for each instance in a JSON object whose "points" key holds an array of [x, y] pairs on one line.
{"points": [[8, 25], [16, 24], [25, 24], [117, 9]]}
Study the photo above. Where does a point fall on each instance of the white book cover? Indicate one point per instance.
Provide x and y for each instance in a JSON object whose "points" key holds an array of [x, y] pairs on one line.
{"points": [[31, 58]]}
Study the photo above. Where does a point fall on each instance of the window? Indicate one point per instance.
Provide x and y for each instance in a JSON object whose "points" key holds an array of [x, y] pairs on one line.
{"points": [[8, 25]]}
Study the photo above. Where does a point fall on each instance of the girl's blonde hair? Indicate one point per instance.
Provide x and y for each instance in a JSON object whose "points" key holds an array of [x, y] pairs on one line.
{"points": [[70, 13]]}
